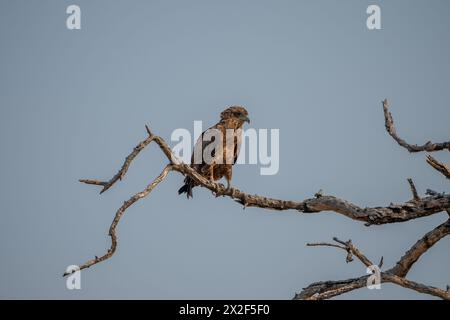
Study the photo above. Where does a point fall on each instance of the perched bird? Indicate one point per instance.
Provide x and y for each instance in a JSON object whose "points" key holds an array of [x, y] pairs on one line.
{"points": [[224, 154]]}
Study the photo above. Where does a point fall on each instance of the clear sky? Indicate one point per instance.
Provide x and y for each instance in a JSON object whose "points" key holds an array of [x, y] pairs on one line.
{"points": [[73, 104]]}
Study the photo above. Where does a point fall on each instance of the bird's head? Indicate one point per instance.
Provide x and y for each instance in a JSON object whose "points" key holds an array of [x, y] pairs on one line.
{"points": [[236, 113]]}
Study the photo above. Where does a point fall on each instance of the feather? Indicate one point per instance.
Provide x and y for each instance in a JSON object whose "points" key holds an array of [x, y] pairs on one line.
{"points": [[217, 165]]}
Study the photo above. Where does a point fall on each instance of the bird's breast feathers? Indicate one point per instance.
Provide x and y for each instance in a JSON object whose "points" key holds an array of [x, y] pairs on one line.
{"points": [[217, 145]]}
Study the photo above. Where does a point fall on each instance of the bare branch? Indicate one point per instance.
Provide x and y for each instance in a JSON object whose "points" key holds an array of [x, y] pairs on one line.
{"points": [[390, 127], [123, 170], [328, 289], [377, 215], [94, 182], [413, 190], [420, 247], [395, 275], [439, 166], [408, 284], [325, 244], [372, 216], [119, 215], [348, 247], [434, 193], [416, 208]]}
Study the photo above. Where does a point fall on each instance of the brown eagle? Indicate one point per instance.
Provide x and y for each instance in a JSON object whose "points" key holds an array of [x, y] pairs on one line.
{"points": [[222, 143]]}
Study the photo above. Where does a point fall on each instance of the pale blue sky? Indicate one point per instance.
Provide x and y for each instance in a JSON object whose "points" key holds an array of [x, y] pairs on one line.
{"points": [[74, 103]]}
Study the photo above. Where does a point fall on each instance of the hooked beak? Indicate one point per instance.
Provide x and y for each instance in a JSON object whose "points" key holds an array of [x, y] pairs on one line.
{"points": [[244, 119]]}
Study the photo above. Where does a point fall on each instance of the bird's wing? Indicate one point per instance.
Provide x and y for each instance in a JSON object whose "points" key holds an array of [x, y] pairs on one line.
{"points": [[232, 149], [206, 140], [237, 144]]}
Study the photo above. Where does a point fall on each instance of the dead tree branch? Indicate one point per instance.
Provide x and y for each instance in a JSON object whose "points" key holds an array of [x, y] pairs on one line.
{"points": [[371, 215], [347, 246], [439, 166], [416, 208], [403, 266], [119, 215], [390, 127], [123, 170], [413, 190], [396, 275], [323, 290]]}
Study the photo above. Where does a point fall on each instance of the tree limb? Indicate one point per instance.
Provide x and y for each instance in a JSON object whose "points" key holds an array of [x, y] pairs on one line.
{"points": [[390, 127], [420, 247], [123, 170], [328, 289], [439, 166], [416, 208], [347, 246], [396, 275], [413, 190], [119, 215], [371, 215], [421, 207], [408, 284]]}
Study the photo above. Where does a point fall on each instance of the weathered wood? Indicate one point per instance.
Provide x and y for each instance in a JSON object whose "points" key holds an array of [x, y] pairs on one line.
{"points": [[416, 208]]}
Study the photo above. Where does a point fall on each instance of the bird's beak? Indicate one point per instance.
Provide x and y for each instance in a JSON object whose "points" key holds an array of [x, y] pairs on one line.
{"points": [[245, 118]]}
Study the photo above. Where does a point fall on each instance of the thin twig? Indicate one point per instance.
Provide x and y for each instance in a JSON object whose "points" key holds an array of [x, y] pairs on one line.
{"points": [[325, 244], [346, 246], [377, 215], [123, 170]]}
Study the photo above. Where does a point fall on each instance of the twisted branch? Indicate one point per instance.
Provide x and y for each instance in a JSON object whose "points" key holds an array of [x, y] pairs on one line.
{"points": [[396, 275], [371, 215], [347, 246], [377, 215], [323, 290], [439, 166], [413, 190], [119, 215], [403, 266], [390, 127], [416, 208], [123, 170]]}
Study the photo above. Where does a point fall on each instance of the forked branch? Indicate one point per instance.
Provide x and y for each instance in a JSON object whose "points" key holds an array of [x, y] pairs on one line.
{"points": [[377, 215], [119, 215], [390, 127], [396, 275], [416, 208]]}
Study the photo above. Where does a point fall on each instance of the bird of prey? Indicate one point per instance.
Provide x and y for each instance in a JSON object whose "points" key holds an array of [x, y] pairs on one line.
{"points": [[224, 152]]}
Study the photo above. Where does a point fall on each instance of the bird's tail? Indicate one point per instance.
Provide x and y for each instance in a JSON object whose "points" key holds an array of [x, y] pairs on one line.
{"points": [[187, 187]]}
